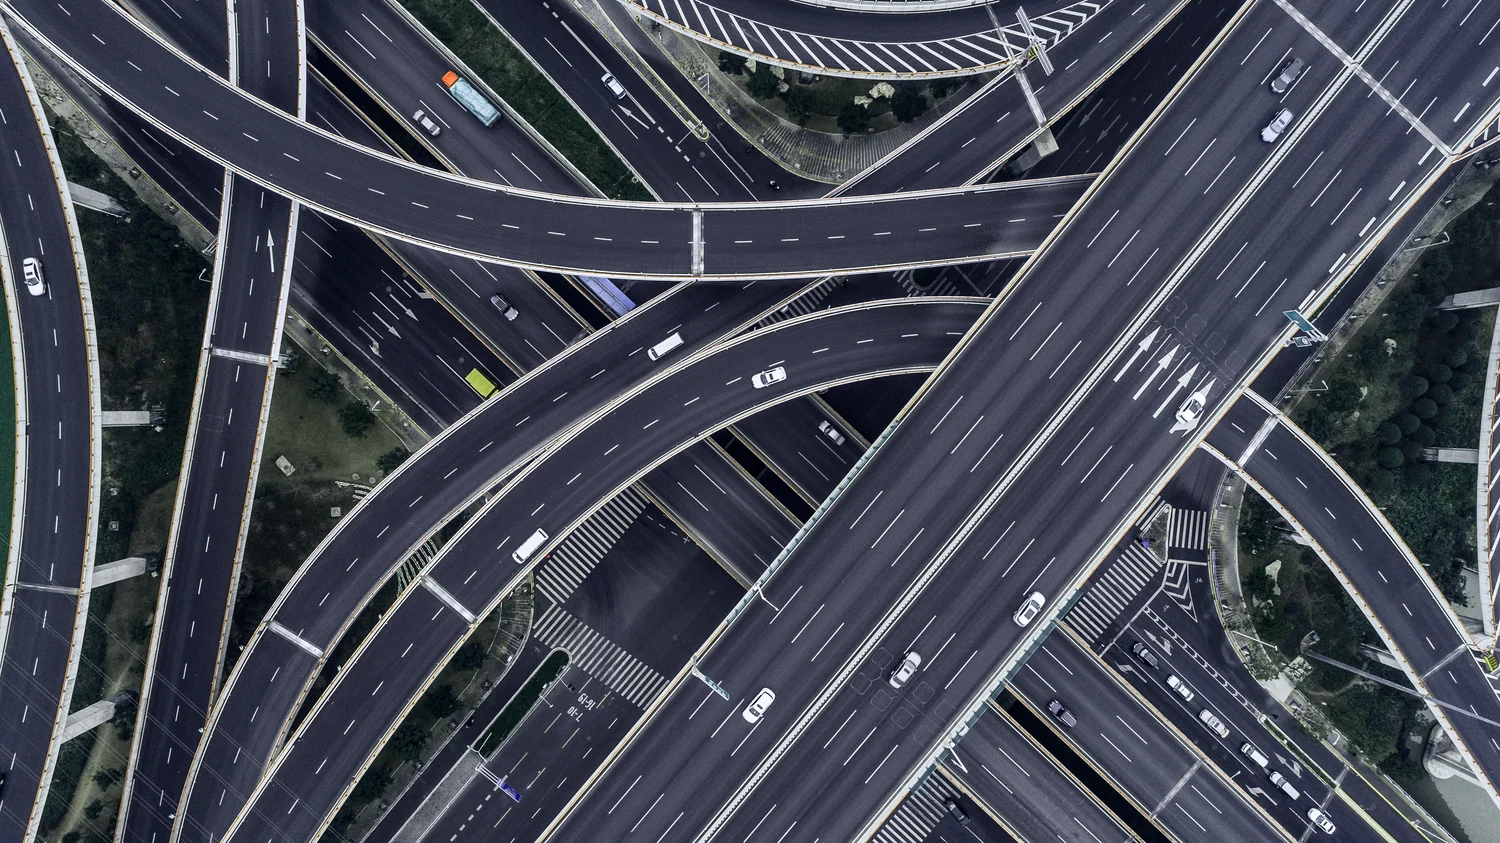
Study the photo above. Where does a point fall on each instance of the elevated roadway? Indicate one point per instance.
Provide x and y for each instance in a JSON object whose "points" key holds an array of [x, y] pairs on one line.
{"points": [[877, 41], [46, 596], [712, 389], [236, 371], [1220, 228], [549, 231], [1375, 566], [1002, 768], [446, 476]]}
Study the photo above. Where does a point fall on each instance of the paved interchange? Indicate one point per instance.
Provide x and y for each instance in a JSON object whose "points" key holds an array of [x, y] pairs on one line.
{"points": [[1070, 386]]}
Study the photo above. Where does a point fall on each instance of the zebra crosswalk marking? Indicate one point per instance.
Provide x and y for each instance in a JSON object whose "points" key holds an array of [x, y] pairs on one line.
{"points": [[918, 815], [1189, 530], [1112, 592], [567, 566], [599, 657]]}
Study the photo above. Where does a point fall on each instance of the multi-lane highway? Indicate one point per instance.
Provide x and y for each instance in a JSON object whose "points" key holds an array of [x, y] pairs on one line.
{"points": [[211, 517], [538, 230], [57, 458]]}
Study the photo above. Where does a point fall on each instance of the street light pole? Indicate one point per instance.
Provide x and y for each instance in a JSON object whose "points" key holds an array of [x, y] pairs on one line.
{"points": [[712, 685]]}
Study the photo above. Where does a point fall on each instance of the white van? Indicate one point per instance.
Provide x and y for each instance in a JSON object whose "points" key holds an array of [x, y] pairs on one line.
{"points": [[1250, 751], [529, 547], [657, 351]]}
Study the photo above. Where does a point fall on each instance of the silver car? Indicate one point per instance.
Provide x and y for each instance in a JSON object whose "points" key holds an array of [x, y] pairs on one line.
{"points": [[31, 273], [827, 429], [1288, 75], [505, 308], [1277, 125], [905, 670], [426, 123]]}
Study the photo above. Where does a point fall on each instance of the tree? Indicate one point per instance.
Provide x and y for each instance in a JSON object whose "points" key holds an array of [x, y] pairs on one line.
{"points": [[1408, 423], [1438, 373], [853, 119], [1425, 408], [763, 84], [732, 63], [1425, 436], [799, 104], [408, 742], [1260, 586], [908, 104], [389, 460], [324, 386], [1440, 394], [1343, 395], [469, 657], [374, 782], [356, 419], [93, 809], [1391, 458], [1456, 358], [943, 86], [440, 701], [106, 777]]}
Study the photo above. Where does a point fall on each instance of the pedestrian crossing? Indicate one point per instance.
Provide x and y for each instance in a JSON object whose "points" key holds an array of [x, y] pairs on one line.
{"points": [[940, 286], [809, 302], [599, 657], [1188, 530], [918, 815], [1112, 591], [571, 562]]}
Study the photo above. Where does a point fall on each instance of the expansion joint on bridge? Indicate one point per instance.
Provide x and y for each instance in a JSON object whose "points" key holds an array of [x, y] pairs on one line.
{"points": [[1172, 794], [53, 589], [302, 643], [242, 356], [697, 268], [449, 600]]}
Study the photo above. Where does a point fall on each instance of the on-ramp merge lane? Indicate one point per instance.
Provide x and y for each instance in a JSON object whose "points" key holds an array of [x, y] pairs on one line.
{"points": [[527, 228]]}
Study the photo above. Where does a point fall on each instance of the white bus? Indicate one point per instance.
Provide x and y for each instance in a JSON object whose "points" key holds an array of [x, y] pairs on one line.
{"points": [[529, 547]]}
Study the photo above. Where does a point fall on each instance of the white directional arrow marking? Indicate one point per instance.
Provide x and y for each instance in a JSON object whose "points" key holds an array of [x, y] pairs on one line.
{"points": [[271, 250], [403, 306], [1261, 793], [1165, 645], [1140, 348], [386, 324], [1161, 366], [1182, 382]]}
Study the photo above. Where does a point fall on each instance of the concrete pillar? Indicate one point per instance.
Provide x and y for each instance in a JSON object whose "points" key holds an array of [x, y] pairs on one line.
{"points": [[120, 569], [96, 715], [94, 200], [1043, 146]]}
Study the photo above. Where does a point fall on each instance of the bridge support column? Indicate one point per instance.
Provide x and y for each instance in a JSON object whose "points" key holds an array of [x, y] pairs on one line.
{"points": [[1043, 146], [96, 715]]}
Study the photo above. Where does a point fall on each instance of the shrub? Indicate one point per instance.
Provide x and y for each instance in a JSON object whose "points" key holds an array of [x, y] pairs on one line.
{"points": [[1440, 394], [469, 657], [1342, 397], [390, 460], [1391, 458], [1425, 408], [732, 63], [440, 701], [799, 104], [373, 782], [1424, 436], [1456, 358], [1413, 386], [1438, 373], [1408, 423], [1388, 434], [356, 419]]}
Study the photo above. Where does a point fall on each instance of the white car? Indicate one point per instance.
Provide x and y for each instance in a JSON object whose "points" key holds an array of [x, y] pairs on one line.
{"points": [[905, 670], [827, 429], [1181, 688], [1191, 411], [1320, 820], [1277, 125], [758, 706], [426, 123], [1213, 723], [761, 380], [613, 85], [31, 272], [1030, 609]]}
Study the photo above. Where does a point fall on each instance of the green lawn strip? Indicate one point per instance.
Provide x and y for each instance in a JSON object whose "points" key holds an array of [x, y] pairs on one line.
{"points": [[525, 699], [470, 35]]}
